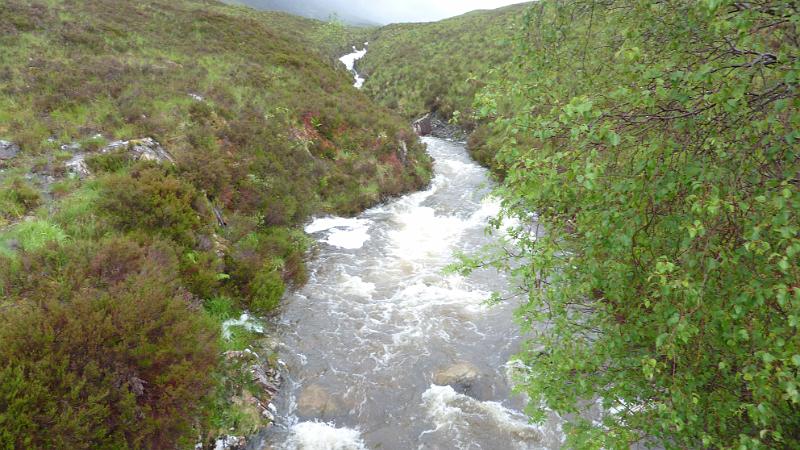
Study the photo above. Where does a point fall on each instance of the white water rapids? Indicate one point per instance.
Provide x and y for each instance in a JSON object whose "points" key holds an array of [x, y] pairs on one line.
{"points": [[364, 340], [349, 61]]}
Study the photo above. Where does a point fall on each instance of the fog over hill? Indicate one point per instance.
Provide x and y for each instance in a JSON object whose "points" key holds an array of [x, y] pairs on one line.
{"points": [[370, 12]]}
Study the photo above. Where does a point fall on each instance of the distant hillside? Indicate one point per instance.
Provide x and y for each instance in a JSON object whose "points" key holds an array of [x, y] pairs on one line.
{"points": [[314, 9], [439, 66], [157, 161]]}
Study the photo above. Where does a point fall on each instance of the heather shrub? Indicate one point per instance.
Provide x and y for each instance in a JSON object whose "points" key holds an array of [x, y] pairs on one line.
{"points": [[119, 361], [108, 162], [266, 290], [152, 200]]}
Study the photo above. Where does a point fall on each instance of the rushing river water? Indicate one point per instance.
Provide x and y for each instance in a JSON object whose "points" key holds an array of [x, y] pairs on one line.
{"points": [[349, 61], [379, 324]]}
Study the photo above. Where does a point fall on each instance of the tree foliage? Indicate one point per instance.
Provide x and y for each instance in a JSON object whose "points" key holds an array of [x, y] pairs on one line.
{"points": [[657, 143]]}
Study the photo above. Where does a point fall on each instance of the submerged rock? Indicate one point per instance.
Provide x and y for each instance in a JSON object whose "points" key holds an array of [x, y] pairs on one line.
{"points": [[315, 401], [8, 150], [465, 379], [462, 372]]}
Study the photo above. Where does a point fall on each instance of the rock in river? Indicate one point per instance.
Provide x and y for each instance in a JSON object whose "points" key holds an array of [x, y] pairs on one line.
{"points": [[465, 379], [456, 374], [315, 401], [424, 126]]}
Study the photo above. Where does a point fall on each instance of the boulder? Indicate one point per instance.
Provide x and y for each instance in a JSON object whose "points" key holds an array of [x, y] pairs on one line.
{"points": [[77, 166], [8, 150], [459, 373], [424, 125], [465, 379], [147, 149], [315, 401]]}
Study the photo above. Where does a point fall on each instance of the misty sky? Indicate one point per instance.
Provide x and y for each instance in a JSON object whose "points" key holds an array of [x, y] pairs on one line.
{"points": [[378, 11], [386, 11]]}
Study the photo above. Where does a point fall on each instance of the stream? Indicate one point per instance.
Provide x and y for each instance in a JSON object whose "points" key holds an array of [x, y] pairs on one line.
{"points": [[349, 61], [383, 350]]}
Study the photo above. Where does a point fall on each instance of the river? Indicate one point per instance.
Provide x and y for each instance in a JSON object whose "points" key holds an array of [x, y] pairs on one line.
{"points": [[380, 323]]}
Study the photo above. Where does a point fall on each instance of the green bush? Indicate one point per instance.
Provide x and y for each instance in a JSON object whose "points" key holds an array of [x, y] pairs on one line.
{"points": [[32, 235], [202, 272], [17, 198], [108, 162], [151, 200], [78, 214], [266, 290], [120, 360], [221, 308]]}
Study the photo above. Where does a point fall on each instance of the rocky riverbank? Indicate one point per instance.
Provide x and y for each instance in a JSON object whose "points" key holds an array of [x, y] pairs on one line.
{"points": [[432, 124]]}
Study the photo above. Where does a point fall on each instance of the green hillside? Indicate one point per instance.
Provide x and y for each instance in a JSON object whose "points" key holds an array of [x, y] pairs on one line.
{"points": [[439, 66], [119, 262]]}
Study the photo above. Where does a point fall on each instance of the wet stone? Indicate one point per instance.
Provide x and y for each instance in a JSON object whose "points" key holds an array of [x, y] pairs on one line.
{"points": [[315, 401], [457, 373], [465, 379]]}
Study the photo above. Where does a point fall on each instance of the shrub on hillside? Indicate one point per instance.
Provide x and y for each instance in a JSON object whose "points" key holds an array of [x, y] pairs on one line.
{"points": [[151, 199], [16, 199], [266, 290], [103, 351]]}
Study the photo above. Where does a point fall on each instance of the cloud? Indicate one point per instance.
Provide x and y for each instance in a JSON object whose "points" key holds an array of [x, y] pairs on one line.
{"points": [[420, 10], [379, 11]]}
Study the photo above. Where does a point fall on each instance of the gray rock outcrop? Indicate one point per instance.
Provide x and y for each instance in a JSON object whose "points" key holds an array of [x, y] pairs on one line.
{"points": [[77, 166], [8, 150], [147, 149]]}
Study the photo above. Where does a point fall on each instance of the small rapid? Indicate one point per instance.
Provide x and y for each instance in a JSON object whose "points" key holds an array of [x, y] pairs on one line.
{"points": [[383, 349], [349, 61]]}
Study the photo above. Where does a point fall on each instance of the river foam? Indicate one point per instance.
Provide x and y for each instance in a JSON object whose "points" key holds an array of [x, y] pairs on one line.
{"points": [[461, 415], [341, 232], [323, 436]]}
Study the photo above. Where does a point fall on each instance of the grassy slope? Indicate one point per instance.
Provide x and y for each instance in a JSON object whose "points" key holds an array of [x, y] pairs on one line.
{"points": [[279, 134], [416, 68], [330, 38], [126, 71]]}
